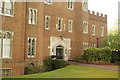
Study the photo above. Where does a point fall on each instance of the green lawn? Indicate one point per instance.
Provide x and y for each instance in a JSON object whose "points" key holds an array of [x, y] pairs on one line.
{"points": [[73, 71]]}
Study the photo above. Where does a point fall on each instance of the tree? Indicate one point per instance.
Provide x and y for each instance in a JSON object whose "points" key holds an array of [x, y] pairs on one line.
{"points": [[113, 38]]}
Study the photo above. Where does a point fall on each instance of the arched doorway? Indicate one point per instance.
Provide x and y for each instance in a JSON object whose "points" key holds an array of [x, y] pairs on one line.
{"points": [[59, 52]]}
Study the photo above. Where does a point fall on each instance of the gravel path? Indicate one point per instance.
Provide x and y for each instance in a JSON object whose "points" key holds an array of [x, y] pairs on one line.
{"points": [[95, 66]]}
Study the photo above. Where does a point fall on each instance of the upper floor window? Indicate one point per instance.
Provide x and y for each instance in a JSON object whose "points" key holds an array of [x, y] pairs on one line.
{"points": [[85, 27], [59, 25], [47, 22], [70, 4], [102, 31], [31, 47], [85, 5], [85, 45], [48, 2], [5, 42], [6, 7], [32, 16], [93, 29], [70, 25]]}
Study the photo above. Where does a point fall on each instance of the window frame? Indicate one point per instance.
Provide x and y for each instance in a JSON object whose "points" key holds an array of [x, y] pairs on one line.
{"points": [[31, 47], [60, 23], [32, 16], [70, 25], [48, 22], [85, 9], [85, 23], [46, 2], [1, 71], [11, 42], [12, 9], [93, 29], [102, 31], [85, 45], [69, 5]]}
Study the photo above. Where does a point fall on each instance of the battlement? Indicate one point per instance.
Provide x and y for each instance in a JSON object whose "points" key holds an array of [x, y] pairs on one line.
{"points": [[97, 16]]}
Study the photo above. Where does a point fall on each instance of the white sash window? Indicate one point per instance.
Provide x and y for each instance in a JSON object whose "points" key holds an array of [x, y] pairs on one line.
{"points": [[5, 42]]}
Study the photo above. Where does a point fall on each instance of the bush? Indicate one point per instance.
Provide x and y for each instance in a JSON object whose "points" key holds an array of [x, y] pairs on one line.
{"points": [[57, 63], [32, 70], [52, 64], [93, 55]]}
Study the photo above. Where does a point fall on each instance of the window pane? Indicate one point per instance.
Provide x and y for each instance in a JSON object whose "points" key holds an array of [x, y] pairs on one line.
{"points": [[8, 7], [6, 48], [1, 6]]}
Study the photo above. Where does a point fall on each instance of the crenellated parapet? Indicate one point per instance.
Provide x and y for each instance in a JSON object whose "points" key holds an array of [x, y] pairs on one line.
{"points": [[97, 16]]}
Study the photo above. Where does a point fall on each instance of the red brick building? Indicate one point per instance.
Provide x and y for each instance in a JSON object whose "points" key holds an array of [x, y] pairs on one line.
{"points": [[30, 31]]}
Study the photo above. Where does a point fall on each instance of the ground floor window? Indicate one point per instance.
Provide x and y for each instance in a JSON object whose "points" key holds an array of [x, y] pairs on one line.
{"points": [[85, 45], [5, 72], [31, 47], [5, 44], [94, 45]]}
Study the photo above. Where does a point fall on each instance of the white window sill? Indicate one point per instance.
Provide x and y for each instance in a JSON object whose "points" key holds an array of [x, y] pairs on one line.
{"points": [[6, 58], [85, 32], [70, 31], [47, 29], [70, 8], [32, 23], [6, 15], [60, 30]]}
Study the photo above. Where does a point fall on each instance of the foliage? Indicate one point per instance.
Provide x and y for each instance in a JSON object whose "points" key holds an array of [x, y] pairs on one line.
{"points": [[92, 54], [52, 64], [113, 40], [32, 70]]}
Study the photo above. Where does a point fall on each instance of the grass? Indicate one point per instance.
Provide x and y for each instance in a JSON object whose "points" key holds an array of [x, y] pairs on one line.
{"points": [[73, 71]]}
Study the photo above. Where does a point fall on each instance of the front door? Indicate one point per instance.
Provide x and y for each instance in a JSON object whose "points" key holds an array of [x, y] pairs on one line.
{"points": [[59, 52]]}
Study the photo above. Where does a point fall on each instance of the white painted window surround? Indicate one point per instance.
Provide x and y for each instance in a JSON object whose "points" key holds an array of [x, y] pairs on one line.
{"points": [[31, 47], [85, 5], [85, 45], [5, 42], [48, 2], [70, 25], [5, 72], [70, 4], [59, 25], [47, 22], [93, 29], [102, 31], [94, 45], [32, 16], [6, 7], [85, 27]]}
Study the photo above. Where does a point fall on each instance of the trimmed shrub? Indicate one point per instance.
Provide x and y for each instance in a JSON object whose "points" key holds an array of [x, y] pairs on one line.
{"points": [[93, 55], [58, 63], [52, 64], [32, 70]]}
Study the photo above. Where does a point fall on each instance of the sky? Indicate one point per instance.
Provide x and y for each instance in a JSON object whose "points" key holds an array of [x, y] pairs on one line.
{"points": [[109, 7]]}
